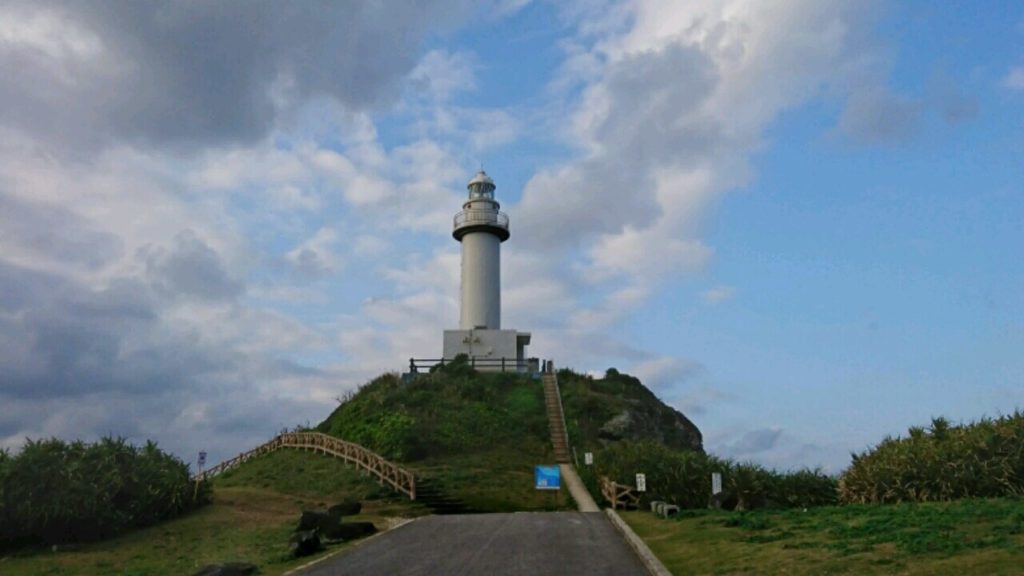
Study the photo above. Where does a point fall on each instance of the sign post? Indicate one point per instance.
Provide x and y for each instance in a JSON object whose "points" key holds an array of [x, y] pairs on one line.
{"points": [[641, 483], [588, 458], [548, 478], [202, 462], [716, 483]]}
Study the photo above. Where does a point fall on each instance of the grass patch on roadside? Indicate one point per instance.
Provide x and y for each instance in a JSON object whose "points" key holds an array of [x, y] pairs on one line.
{"points": [[962, 537], [255, 508]]}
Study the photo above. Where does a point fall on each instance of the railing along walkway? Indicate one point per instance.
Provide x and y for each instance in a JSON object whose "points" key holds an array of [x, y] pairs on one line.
{"points": [[619, 494], [556, 417], [387, 472]]}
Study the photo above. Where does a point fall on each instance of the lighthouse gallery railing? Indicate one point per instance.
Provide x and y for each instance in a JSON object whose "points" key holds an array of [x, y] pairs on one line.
{"points": [[477, 217]]}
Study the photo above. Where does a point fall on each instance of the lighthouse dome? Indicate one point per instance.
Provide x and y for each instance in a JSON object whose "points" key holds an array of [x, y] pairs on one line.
{"points": [[481, 178]]}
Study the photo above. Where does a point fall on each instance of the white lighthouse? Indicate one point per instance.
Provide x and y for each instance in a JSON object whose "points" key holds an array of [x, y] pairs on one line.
{"points": [[481, 228]]}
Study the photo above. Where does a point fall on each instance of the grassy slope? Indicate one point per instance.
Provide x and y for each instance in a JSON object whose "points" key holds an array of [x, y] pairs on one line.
{"points": [[478, 435], [254, 510], [964, 537]]}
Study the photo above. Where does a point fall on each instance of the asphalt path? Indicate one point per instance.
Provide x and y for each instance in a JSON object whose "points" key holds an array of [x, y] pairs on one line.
{"points": [[528, 543]]}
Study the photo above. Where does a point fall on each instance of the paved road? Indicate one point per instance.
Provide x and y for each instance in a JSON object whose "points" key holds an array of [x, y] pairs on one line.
{"points": [[528, 543]]}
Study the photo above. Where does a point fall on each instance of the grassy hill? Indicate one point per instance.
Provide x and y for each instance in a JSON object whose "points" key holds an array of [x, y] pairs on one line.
{"points": [[479, 435]]}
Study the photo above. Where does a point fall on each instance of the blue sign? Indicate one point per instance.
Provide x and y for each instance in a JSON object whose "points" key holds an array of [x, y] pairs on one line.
{"points": [[547, 477]]}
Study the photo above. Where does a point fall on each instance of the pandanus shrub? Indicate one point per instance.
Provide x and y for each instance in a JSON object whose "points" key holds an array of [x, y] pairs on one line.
{"points": [[684, 478], [941, 462], [55, 491]]}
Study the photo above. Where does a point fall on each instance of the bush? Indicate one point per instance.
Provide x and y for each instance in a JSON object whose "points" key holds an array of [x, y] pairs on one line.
{"points": [[684, 478], [56, 492], [944, 462], [452, 410]]}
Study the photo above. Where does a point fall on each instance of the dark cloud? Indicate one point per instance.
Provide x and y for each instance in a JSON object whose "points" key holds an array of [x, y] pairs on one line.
{"points": [[755, 442], [190, 269], [201, 72], [55, 232], [64, 339], [80, 362]]}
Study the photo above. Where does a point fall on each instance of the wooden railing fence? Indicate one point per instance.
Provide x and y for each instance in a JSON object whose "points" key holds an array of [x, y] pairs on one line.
{"points": [[387, 472], [617, 494]]}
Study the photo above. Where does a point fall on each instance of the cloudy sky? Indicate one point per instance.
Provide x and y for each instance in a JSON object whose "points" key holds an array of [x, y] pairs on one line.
{"points": [[799, 222]]}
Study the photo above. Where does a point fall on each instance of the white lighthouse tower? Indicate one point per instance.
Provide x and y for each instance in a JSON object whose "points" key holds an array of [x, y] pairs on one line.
{"points": [[481, 228]]}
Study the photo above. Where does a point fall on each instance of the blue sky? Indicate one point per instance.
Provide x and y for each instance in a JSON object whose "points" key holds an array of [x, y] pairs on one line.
{"points": [[800, 223]]}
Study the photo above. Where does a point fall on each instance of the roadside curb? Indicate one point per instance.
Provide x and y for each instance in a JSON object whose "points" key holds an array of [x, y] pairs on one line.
{"points": [[647, 558], [298, 569]]}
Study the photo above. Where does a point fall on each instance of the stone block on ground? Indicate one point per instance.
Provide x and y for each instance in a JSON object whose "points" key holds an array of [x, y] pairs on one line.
{"points": [[350, 531], [347, 508], [314, 520], [669, 510], [304, 543]]}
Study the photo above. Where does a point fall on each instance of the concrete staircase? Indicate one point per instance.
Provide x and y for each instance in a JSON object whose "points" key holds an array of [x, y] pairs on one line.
{"points": [[556, 419]]}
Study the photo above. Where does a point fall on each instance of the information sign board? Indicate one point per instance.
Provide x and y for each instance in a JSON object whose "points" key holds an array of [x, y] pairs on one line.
{"points": [[641, 483], [588, 458], [716, 483], [547, 477]]}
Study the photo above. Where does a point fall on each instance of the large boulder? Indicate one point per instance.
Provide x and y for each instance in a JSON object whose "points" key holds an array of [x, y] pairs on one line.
{"points": [[346, 508], [228, 569], [304, 543], [652, 420], [315, 520], [350, 531]]}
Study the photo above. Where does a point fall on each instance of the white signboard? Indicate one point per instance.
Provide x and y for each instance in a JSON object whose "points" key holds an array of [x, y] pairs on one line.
{"points": [[716, 483], [641, 483], [588, 458], [202, 459]]}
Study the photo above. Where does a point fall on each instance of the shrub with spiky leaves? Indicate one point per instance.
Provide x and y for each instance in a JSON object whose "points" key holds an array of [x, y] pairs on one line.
{"points": [[55, 491], [684, 478], [942, 462]]}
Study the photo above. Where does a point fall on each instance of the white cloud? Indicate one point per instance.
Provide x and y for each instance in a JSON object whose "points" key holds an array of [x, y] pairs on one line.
{"points": [[1014, 79], [317, 255], [718, 295], [441, 74], [673, 100]]}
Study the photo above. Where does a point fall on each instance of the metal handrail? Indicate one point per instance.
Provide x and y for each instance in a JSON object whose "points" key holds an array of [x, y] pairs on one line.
{"points": [[481, 217], [417, 364]]}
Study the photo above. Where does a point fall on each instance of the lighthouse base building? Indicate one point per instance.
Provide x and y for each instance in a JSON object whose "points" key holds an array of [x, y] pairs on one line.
{"points": [[500, 350], [481, 228]]}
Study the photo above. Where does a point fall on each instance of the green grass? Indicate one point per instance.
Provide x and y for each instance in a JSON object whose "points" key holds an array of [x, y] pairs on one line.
{"points": [[254, 510], [963, 537], [498, 480], [311, 477]]}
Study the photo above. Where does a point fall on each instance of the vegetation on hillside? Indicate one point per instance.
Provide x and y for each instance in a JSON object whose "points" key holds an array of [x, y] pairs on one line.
{"points": [[57, 492], [684, 478], [451, 411], [941, 462]]}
